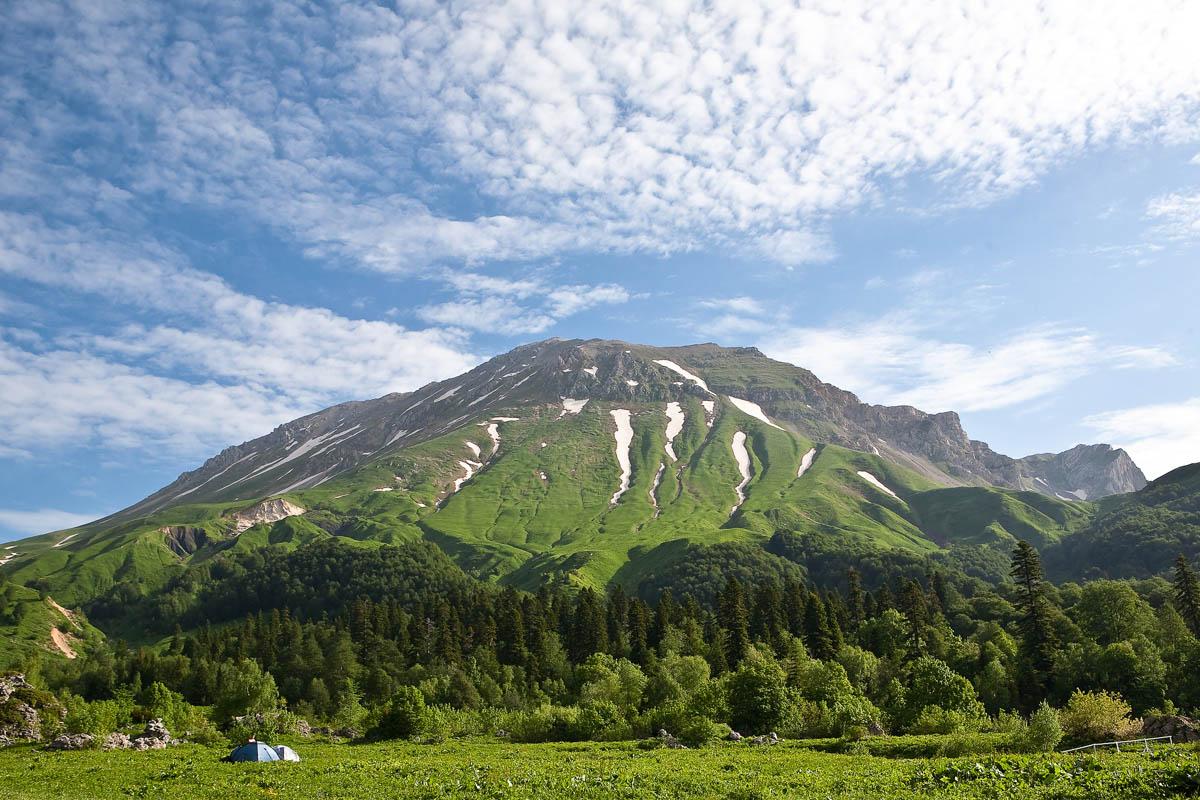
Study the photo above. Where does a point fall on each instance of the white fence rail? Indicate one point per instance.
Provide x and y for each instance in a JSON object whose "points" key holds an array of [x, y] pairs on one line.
{"points": [[1145, 743]]}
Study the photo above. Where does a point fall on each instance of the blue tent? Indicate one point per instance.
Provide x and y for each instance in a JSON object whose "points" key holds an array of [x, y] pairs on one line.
{"points": [[253, 751]]}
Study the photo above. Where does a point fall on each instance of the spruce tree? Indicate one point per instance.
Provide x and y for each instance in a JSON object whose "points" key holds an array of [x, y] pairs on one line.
{"points": [[1187, 593], [734, 619], [1038, 642], [817, 637], [857, 606]]}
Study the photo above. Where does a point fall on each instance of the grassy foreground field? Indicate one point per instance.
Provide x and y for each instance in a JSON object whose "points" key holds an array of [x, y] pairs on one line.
{"points": [[490, 769]]}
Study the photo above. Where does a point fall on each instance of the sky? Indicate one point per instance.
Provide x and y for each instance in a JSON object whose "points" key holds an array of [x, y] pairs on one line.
{"points": [[214, 219]]}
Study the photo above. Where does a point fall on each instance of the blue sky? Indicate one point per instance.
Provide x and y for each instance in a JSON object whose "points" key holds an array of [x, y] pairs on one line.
{"points": [[213, 222]]}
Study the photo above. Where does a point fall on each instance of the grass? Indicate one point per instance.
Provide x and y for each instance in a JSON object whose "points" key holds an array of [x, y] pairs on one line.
{"points": [[487, 769], [510, 524]]}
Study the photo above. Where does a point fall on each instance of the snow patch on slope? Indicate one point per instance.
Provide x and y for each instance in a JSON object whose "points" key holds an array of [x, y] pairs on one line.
{"points": [[878, 484], [742, 456], [806, 462], [590, 371], [449, 393], [64, 540], [571, 406], [710, 411], [752, 409], [658, 476], [678, 370], [624, 437], [675, 419], [474, 448]]}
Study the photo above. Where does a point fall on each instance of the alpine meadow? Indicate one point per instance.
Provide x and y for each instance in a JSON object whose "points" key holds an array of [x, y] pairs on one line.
{"points": [[612, 383]]}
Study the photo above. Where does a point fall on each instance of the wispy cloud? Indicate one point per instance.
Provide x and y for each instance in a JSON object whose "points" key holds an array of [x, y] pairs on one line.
{"points": [[1159, 436], [512, 307], [215, 367], [17, 523], [1176, 215], [608, 127], [896, 360]]}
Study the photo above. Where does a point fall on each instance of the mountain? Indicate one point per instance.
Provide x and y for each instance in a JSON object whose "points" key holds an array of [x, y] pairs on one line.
{"points": [[597, 463], [312, 450]]}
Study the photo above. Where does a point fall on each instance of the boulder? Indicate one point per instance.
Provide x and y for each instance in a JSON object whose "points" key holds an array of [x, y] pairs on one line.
{"points": [[155, 737], [72, 741], [22, 709], [116, 741], [767, 740], [670, 741], [1180, 728], [734, 736]]}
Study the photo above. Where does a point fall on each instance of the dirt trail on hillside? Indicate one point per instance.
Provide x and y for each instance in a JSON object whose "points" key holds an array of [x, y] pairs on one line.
{"points": [[70, 615], [63, 642]]}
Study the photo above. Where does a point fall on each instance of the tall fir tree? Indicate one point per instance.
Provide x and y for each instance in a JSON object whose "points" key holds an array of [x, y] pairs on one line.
{"points": [[1038, 642], [1187, 593], [735, 620]]}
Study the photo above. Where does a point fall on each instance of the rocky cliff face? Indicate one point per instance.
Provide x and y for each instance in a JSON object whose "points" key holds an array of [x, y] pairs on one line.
{"points": [[1085, 472], [309, 451]]}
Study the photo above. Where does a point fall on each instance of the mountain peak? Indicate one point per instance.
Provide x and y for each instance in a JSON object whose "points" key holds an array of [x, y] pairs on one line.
{"points": [[313, 449]]}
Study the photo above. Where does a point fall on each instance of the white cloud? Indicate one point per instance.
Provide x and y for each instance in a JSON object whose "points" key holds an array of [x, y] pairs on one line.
{"points": [[488, 303], [1159, 437], [216, 367], [897, 361], [604, 126], [44, 520], [1177, 215]]}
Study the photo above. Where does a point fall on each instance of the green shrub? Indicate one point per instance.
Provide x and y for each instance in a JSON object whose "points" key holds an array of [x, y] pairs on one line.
{"points": [[402, 717], [1097, 716], [1042, 734], [263, 726], [935, 719], [99, 717]]}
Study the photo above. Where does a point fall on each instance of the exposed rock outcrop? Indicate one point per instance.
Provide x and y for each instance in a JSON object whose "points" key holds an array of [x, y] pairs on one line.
{"points": [[72, 741], [184, 539], [267, 511], [155, 737], [1179, 728], [23, 709]]}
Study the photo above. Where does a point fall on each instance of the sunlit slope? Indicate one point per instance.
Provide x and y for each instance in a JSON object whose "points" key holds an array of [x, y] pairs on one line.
{"points": [[537, 503]]}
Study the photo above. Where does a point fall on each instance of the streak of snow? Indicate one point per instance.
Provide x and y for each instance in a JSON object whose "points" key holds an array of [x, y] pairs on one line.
{"points": [[742, 456], [710, 409], [674, 426], [333, 437], [493, 430], [383, 489], [219, 474], [590, 371], [624, 437], [65, 539], [1041, 481], [474, 448], [7, 557], [483, 397], [658, 476], [395, 436], [752, 409], [878, 484], [448, 393], [320, 478], [671, 365], [518, 383], [571, 406], [470, 467], [506, 419], [631, 383], [806, 462]]}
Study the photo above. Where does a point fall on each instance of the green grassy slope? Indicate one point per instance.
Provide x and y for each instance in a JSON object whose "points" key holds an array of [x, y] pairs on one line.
{"points": [[539, 509]]}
